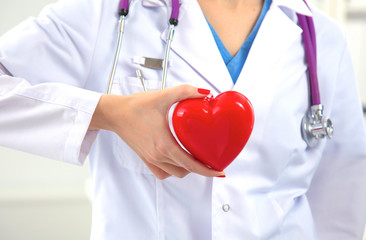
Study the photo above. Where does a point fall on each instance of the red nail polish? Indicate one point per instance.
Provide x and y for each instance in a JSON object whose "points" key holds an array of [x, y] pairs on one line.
{"points": [[222, 176], [203, 91]]}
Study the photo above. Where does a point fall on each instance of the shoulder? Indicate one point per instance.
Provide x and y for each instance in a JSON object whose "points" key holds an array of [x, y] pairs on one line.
{"points": [[329, 32]]}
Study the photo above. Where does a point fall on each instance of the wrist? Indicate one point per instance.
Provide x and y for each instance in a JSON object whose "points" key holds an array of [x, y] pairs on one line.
{"points": [[96, 121], [103, 116]]}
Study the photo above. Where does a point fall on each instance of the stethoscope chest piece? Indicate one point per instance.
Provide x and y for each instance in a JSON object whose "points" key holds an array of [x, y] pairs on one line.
{"points": [[315, 126]]}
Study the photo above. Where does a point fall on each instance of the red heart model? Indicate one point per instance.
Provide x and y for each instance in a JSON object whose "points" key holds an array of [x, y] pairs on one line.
{"points": [[214, 130]]}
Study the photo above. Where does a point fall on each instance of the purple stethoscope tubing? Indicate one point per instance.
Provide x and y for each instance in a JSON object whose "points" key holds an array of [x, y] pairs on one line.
{"points": [[307, 25], [309, 39], [123, 6], [175, 10]]}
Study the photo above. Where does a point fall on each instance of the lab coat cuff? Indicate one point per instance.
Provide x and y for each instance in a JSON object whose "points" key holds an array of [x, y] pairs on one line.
{"points": [[80, 139]]}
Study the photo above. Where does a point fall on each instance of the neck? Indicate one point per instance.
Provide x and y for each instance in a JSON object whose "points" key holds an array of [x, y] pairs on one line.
{"points": [[233, 20]]}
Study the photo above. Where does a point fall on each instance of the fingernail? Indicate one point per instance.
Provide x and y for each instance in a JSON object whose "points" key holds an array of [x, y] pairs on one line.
{"points": [[203, 91], [222, 175]]}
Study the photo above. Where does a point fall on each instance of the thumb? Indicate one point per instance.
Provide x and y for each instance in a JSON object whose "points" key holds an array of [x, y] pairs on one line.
{"points": [[182, 92]]}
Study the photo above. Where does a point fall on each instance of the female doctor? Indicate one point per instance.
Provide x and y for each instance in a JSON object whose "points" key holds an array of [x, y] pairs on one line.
{"points": [[56, 67]]}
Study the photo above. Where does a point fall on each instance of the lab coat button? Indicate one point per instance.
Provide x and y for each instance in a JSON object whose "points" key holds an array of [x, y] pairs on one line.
{"points": [[226, 207]]}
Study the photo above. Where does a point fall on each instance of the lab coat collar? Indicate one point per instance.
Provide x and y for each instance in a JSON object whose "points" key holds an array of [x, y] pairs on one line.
{"points": [[299, 6]]}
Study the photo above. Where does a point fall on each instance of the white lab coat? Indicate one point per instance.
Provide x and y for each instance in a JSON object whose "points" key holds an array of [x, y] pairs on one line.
{"points": [[277, 188]]}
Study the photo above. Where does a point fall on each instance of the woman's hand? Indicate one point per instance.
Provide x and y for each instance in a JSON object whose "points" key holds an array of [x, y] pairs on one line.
{"points": [[141, 120]]}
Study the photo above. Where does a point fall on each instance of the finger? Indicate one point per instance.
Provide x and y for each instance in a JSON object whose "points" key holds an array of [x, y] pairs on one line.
{"points": [[164, 170], [173, 170], [195, 166], [158, 172], [188, 162], [167, 165], [183, 92]]}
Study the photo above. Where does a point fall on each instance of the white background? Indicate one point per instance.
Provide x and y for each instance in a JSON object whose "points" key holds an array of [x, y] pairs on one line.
{"points": [[44, 199]]}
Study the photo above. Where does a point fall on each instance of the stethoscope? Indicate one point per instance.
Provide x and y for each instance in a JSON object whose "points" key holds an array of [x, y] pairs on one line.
{"points": [[314, 125], [173, 21]]}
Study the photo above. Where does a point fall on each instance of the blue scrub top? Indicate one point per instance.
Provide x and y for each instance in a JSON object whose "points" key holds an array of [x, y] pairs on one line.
{"points": [[235, 64]]}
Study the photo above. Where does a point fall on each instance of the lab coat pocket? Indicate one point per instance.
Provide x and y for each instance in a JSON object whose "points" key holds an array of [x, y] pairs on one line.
{"points": [[130, 85]]}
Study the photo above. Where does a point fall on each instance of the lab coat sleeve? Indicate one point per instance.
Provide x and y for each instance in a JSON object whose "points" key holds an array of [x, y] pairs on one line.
{"points": [[43, 107], [41, 120], [337, 194]]}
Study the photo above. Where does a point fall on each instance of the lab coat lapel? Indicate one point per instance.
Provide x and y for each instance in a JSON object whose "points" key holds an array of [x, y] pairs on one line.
{"points": [[274, 39], [264, 69], [193, 41]]}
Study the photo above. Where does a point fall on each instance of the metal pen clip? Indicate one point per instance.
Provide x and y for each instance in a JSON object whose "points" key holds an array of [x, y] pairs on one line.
{"points": [[139, 75]]}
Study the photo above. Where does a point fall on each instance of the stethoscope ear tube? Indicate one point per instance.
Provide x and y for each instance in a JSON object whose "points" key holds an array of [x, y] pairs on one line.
{"points": [[173, 21], [123, 11], [121, 28]]}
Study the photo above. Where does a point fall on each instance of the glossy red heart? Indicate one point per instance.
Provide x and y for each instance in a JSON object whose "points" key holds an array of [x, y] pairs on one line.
{"points": [[214, 130]]}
